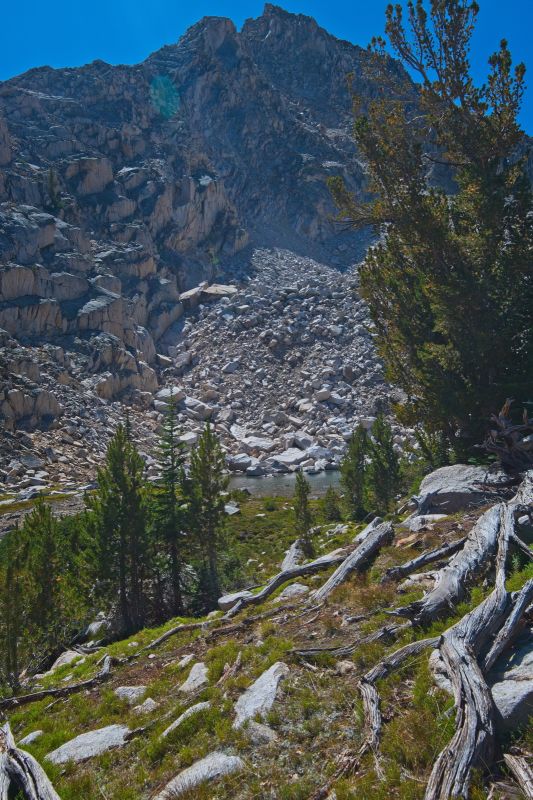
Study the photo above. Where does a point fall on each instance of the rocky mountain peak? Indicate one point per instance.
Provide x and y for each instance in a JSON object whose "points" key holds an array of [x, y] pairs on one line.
{"points": [[123, 187]]}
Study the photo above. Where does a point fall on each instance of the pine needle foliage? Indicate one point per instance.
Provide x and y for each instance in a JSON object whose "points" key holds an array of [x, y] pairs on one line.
{"points": [[449, 283]]}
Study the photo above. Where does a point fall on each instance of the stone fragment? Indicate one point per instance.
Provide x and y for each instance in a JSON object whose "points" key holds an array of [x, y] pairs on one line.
{"points": [[189, 712], [260, 696], [89, 745], [215, 765], [197, 678]]}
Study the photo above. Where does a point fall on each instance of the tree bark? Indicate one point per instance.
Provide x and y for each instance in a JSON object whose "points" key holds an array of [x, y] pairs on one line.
{"points": [[521, 770], [64, 691], [473, 743], [452, 581], [367, 548], [403, 570], [21, 771]]}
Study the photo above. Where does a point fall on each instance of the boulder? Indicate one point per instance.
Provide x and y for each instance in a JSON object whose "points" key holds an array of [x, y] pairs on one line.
{"points": [[30, 738], [289, 458], [189, 712], [146, 707], [68, 657], [260, 696], [132, 694], [89, 745], [291, 591], [213, 766], [511, 683], [229, 600], [174, 393], [460, 486], [197, 678]]}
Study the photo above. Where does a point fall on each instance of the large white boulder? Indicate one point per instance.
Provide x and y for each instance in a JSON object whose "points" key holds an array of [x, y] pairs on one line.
{"points": [[197, 678], [89, 745], [260, 696], [132, 694], [213, 766], [189, 712], [451, 489]]}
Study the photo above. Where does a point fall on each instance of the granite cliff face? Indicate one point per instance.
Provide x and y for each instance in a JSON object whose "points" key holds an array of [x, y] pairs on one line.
{"points": [[122, 187]]}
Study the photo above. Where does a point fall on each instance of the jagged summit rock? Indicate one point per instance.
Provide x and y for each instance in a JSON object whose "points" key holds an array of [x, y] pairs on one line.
{"points": [[132, 197]]}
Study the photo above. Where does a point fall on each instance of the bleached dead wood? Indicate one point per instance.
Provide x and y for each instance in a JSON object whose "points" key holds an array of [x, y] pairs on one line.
{"points": [[310, 568], [366, 549], [473, 742], [403, 570], [452, 581], [522, 772], [513, 624], [370, 694], [63, 691], [19, 770], [341, 651]]}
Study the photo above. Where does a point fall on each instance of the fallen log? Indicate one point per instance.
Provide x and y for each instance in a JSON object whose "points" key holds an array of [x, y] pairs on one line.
{"points": [[513, 625], [452, 581], [310, 568], [341, 651], [519, 767], [403, 570], [473, 743], [20, 771], [370, 694], [366, 549], [63, 691]]}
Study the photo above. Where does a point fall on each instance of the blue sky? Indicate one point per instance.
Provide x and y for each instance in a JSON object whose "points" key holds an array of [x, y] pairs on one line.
{"points": [[72, 32]]}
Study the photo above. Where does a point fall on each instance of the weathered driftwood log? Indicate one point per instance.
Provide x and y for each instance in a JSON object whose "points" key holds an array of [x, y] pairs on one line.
{"points": [[474, 740], [522, 772], [403, 570], [370, 695], [366, 549], [63, 691], [452, 581], [344, 650], [181, 628], [310, 568], [20, 771], [512, 626]]}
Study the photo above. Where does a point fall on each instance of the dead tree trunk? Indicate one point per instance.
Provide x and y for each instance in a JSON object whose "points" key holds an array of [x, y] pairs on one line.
{"points": [[474, 739], [522, 772], [452, 580], [368, 547], [403, 570], [64, 691], [19, 770], [319, 564]]}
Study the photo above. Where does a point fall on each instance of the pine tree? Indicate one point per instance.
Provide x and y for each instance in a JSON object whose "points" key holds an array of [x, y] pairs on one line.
{"points": [[302, 513], [449, 284], [353, 473], [204, 493], [168, 508], [383, 474], [11, 611], [330, 504], [118, 518]]}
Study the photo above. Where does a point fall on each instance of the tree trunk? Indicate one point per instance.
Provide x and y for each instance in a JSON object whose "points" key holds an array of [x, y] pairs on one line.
{"points": [[20, 771], [370, 545]]}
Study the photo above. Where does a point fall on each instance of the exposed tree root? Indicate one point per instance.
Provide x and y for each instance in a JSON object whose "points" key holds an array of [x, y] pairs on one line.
{"points": [[366, 549], [403, 570], [64, 691], [452, 580], [312, 567], [20, 771], [473, 743], [512, 626], [522, 772], [341, 651]]}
